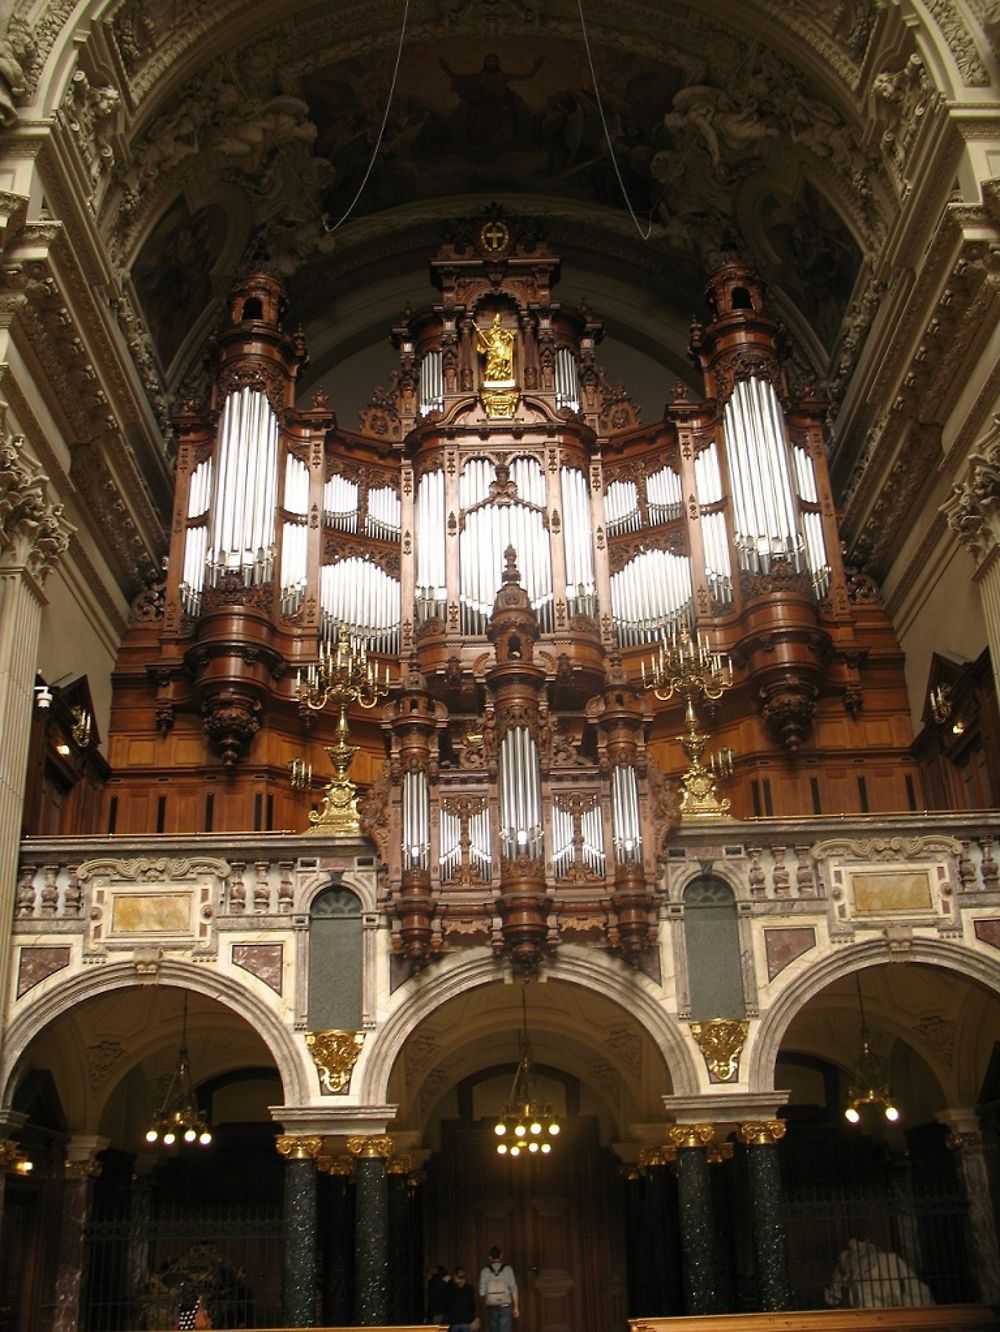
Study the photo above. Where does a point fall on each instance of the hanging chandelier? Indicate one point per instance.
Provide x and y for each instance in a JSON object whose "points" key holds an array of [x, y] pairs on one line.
{"points": [[869, 1083], [178, 1117], [525, 1125]]}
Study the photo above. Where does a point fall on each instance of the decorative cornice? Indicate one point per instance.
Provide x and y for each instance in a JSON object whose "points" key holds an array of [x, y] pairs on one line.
{"points": [[973, 508], [33, 532]]}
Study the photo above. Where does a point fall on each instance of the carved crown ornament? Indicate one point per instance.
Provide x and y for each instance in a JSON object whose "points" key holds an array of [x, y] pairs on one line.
{"points": [[33, 532], [721, 1042], [334, 1052]]}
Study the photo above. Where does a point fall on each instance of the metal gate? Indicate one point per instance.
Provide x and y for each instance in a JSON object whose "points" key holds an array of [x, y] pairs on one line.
{"points": [[871, 1249], [139, 1265]]}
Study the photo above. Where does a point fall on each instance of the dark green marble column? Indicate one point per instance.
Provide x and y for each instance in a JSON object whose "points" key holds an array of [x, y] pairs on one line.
{"points": [[697, 1223], [300, 1287], [770, 1242], [400, 1220], [371, 1229], [337, 1231]]}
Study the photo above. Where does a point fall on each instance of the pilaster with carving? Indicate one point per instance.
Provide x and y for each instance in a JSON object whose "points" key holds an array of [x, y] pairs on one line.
{"points": [[972, 510]]}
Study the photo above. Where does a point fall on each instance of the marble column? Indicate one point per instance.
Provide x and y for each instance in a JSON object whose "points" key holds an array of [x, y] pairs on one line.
{"points": [[80, 1171], [966, 1141], [973, 511], [33, 535], [402, 1308], [300, 1285], [697, 1222], [770, 1241], [371, 1229], [336, 1193]]}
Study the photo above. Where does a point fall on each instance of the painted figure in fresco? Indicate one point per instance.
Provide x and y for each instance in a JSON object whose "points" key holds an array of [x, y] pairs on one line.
{"points": [[490, 115]]}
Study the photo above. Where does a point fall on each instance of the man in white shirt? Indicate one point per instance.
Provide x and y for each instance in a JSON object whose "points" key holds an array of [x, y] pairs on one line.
{"points": [[498, 1291]]}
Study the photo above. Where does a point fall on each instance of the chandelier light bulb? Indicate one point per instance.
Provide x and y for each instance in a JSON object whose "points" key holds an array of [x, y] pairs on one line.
{"points": [[536, 1128], [515, 1150], [553, 1128], [546, 1148], [519, 1130], [499, 1128], [852, 1115], [891, 1113], [151, 1135], [189, 1135], [205, 1138], [501, 1149], [532, 1146], [169, 1138]]}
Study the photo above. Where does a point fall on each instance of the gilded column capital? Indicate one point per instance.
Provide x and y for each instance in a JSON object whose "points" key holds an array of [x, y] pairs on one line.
{"points": [[965, 1142], [299, 1146], [82, 1169], [335, 1165], [651, 1157], [973, 507], [762, 1132], [400, 1165], [690, 1135], [721, 1042], [370, 1145], [717, 1152], [335, 1052]]}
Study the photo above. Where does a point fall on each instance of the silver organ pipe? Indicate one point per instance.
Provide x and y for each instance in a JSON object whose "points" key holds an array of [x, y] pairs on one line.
{"points": [[812, 521], [480, 845], [591, 854], [581, 588], [294, 535], [244, 491], [520, 795], [665, 502], [651, 593], [196, 537], [416, 832], [714, 537], [487, 532], [340, 504], [621, 505], [431, 383], [362, 597], [431, 587], [383, 517], [567, 380], [763, 502], [625, 813]]}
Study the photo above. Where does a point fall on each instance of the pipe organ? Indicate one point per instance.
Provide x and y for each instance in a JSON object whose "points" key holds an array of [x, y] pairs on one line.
{"points": [[511, 542]]}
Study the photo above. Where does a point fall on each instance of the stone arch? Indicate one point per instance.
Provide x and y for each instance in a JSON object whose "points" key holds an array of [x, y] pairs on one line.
{"points": [[284, 1049], [940, 953], [422, 996]]}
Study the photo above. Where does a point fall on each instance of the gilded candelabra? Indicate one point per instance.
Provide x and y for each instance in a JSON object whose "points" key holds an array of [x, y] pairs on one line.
{"points": [[685, 668], [342, 675]]}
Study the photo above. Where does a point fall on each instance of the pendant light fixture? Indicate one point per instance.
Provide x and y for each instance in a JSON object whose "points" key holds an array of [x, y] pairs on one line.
{"points": [[869, 1081], [178, 1118], [525, 1126]]}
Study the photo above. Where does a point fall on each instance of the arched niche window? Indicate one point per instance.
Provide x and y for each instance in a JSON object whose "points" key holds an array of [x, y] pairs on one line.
{"points": [[335, 961], [711, 938]]}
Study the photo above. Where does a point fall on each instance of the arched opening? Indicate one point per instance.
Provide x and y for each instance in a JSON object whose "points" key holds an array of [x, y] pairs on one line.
{"points": [[159, 1219], [878, 1209], [562, 1219]]}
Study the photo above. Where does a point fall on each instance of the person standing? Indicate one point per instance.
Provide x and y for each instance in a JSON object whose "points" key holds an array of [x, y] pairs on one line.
{"points": [[498, 1291], [461, 1303], [438, 1286]]}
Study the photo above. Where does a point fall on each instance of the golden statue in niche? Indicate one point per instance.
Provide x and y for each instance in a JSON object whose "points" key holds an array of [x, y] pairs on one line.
{"points": [[497, 344]]}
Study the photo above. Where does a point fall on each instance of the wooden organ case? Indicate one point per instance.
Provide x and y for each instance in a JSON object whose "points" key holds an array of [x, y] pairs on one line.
{"points": [[512, 543]]}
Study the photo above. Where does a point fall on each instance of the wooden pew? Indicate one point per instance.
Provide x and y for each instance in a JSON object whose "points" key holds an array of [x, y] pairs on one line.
{"points": [[930, 1318]]}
